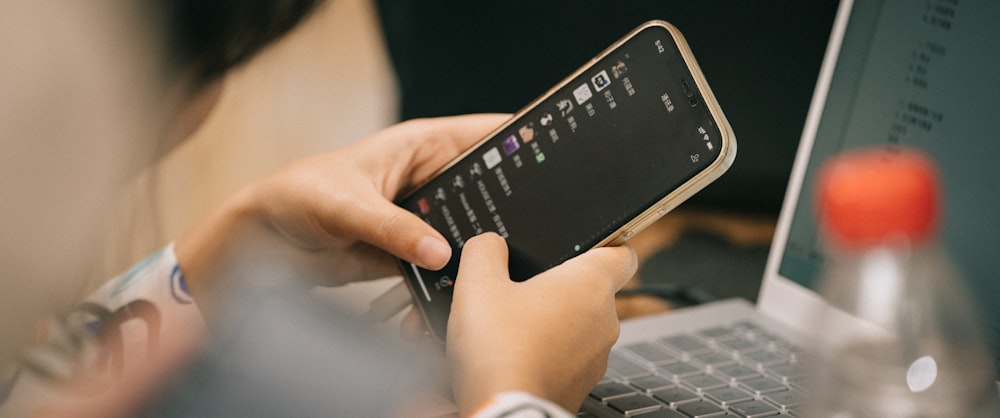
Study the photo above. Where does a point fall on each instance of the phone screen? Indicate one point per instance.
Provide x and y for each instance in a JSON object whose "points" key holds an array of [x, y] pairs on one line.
{"points": [[574, 168]]}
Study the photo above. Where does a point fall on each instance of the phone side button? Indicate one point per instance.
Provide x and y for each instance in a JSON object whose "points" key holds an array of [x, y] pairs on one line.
{"points": [[643, 223]]}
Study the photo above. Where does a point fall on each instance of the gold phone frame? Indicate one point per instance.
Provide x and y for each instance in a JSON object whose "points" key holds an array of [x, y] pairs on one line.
{"points": [[725, 158]]}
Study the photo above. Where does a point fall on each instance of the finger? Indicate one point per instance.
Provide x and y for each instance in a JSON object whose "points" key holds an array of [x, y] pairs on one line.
{"points": [[382, 224], [483, 268], [443, 139], [429, 143], [484, 263], [611, 265]]}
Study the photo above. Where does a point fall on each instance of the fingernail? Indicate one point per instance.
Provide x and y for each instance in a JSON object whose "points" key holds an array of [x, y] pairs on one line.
{"points": [[433, 253]]}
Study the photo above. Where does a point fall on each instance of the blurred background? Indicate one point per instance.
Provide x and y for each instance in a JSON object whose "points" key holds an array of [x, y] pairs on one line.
{"points": [[327, 83]]}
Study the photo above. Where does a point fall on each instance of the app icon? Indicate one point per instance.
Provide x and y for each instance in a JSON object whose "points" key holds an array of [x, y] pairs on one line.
{"points": [[600, 80], [424, 205], [510, 145], [540, 157], [546, 119], [565, 106], [476, 170], [492, 158], [619, 69], [582, 94], [527, 132]]}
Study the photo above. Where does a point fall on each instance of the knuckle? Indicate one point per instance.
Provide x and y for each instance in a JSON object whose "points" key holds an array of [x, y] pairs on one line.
{"points": [[390, 227]]}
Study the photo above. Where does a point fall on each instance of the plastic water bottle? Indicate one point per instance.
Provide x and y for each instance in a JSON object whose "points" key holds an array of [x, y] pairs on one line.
{"points": [[902, 337]]}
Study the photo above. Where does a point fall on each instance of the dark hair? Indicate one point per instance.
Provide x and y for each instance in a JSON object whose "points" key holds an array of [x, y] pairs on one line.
{"points": [[208, 37]]}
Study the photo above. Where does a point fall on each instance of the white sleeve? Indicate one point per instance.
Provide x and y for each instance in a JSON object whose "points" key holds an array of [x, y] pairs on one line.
{"points": [[520, 405], [116, 328]]}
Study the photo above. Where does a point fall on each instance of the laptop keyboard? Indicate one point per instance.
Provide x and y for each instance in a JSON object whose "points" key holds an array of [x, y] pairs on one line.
{"points": [[737, 370]]}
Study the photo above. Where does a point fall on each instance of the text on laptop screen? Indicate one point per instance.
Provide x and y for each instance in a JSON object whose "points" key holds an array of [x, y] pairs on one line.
{"points": [[923, 74]]}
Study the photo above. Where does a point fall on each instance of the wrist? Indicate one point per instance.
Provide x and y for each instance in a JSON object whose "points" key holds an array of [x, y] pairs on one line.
{"points": [[478, 387], [203, 253]]}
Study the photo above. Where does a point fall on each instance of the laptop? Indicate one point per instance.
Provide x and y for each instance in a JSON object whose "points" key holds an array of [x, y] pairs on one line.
{"points": [[920, 74]]}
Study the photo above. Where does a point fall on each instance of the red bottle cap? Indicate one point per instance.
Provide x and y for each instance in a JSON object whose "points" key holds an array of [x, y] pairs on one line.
{"points": [[872, 195]]}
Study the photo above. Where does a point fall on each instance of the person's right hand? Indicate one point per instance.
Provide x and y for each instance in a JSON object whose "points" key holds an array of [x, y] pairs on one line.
{"points": [[549, 336], [330, 218]]}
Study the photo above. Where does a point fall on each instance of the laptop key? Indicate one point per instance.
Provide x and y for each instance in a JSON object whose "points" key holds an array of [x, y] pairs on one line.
{"points": [[704, 382], [662, 413], [675, 396], [762, 385], [747, 330], [718, 333], [761, 359], [786, 372], [773, 340], [801, 384], [728, 395], [625, 368], [605, 391], [753, 409], [678, 370], [652, 353], [739, 346], [633, 404], [735, 373], [715, 359], [687, 344], [785, 399], [700, 409], [795, 354], [649, 383]]}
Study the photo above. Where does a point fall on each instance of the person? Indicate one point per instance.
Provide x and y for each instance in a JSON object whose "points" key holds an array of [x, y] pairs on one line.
{"points": [[538, 345]]}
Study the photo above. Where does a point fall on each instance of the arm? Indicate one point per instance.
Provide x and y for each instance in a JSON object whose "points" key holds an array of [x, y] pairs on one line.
{"points": [[136, 328], [327, 218]]}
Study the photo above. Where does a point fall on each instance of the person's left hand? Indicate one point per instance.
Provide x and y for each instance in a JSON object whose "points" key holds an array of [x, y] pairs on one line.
{"points": [[332, 215]]}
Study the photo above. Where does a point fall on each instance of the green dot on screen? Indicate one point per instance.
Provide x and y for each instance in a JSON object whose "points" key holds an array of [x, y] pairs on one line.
{"points": [[576, 248]]}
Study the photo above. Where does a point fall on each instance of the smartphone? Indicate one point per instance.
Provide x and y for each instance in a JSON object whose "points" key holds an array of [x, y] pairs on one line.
{"points": [[613, 147]]}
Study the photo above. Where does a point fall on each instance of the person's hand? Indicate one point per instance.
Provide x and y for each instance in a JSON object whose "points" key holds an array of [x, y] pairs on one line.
{"points": [[331, 218], [549, 336]]}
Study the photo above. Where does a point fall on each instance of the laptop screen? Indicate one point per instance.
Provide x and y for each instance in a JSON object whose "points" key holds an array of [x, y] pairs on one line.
{"points": [[926, 75]]}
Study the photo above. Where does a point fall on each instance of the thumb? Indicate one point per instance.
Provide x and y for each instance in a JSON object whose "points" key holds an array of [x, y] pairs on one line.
{"points": [[609, 267], [483, 265], [481, 271]]}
